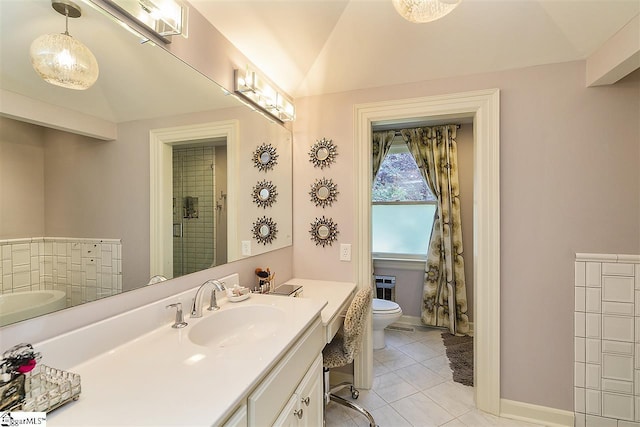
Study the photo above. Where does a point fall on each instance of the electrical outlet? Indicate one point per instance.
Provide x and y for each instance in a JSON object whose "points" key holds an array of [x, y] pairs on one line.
{"points": [[246, 247], [345, 252]]}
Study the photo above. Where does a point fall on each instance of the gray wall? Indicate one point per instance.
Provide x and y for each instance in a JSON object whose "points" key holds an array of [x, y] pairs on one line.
{"points": [[570, 182], [21, 179]]}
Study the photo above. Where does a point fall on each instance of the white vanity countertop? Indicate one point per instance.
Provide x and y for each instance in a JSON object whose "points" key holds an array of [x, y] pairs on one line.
{"points": [[334, 293], [162, 378]]}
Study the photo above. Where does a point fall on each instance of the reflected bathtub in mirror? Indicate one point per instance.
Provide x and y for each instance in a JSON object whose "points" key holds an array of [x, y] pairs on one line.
{"points": [[18, 306]]}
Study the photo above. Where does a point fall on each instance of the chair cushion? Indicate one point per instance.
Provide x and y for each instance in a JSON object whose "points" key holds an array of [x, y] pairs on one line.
{"points": [[346, 344], [333, 354]]}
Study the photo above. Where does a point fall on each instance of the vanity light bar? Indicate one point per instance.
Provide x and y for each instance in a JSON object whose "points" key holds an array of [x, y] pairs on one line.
{"points": [[163, 18], [255, 89]]}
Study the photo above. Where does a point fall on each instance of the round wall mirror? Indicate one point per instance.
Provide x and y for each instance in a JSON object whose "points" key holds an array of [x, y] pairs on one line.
{"points": [[323, 192], [324, 231], [264, 230], [265, 157], [264, 194], [323, 153]]}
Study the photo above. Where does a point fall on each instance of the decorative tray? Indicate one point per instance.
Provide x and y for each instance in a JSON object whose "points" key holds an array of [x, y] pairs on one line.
{"points": [[47, 389]]}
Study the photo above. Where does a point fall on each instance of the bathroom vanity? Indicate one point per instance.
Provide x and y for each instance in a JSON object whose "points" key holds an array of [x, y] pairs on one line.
{"points": [[252, 363]]}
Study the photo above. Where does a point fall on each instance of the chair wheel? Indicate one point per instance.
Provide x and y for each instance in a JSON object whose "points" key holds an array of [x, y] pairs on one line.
{"points": [[354, 393]]}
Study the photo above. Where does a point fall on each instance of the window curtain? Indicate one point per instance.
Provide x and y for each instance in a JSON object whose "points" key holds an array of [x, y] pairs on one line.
{"points": [[381, 143], [445, 296]]}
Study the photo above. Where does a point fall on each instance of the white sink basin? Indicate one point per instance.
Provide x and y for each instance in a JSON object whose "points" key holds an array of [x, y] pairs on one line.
{"points": [[239, 325]]}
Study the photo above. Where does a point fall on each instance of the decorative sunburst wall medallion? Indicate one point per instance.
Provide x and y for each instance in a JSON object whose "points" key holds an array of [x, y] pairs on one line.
{"points": [[264, 194], [324, 231], [265, 157], [323, 192], [323, 153], [264, 230]]}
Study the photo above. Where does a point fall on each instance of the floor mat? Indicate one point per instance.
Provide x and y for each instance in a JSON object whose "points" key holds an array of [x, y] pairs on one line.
{"points": [[460, 355]]}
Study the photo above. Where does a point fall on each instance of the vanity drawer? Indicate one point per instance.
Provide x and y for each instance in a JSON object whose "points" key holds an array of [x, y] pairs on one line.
{"points": [[267, 401], [336, 323]]}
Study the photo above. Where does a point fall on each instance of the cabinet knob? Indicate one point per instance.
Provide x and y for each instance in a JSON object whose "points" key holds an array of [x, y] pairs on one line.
{"points": [[306, 400], [298, 413]]}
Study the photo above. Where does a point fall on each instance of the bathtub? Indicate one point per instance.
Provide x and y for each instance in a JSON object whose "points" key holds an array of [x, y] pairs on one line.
{"points": [[18, 306]]}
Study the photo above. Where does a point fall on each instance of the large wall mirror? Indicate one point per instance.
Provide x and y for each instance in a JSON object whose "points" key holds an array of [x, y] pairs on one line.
{"points": [[95, 198]]}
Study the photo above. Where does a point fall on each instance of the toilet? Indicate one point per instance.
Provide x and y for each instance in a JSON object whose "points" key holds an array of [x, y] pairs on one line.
{"points": [[384, 313]]}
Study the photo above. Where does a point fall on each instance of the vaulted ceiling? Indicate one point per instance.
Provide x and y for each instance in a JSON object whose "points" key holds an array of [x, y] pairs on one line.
{"points": [[310, 47]]}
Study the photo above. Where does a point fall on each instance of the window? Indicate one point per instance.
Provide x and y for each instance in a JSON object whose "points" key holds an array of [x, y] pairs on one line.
{"points": [[402, 207]]}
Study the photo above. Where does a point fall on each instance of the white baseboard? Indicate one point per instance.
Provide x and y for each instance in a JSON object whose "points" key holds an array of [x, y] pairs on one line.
{"points": [[417, 321], [536, 414]]}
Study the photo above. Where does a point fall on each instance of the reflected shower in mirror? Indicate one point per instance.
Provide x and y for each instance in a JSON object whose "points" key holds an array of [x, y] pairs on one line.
{"points": [[76, 166]]}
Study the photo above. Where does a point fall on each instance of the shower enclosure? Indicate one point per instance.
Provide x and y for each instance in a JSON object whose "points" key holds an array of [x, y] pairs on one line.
{"points": [[199, 207]]}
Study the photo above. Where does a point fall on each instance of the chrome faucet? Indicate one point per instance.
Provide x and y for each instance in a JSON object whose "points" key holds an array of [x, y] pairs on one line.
{"points": [[196, 308]]}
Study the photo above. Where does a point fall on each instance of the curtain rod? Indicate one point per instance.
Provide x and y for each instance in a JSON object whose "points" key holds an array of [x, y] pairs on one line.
{"points": [[397, 131]]}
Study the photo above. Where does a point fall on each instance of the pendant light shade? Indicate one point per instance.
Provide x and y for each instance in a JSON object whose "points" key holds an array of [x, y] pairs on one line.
{"points": [[421, 11], [62, 60]]}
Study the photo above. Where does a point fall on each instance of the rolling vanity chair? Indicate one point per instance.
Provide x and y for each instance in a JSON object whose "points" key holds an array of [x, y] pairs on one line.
{"points": [[344, 346]]}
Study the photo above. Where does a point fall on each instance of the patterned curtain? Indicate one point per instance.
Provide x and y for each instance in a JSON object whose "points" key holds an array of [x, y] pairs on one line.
{"points": [[445, 295], [381, 144]]}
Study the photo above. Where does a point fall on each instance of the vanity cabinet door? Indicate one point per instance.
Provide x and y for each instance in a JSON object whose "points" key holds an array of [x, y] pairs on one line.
{"points": [[289, 415], [304, 408], [238, 419], [310, 396]]}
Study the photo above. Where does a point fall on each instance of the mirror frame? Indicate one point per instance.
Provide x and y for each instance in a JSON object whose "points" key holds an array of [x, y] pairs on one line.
{"points": [[262, 150], [324, 162], [257, 230], [324, 223], [329, 186], [257, 194]]}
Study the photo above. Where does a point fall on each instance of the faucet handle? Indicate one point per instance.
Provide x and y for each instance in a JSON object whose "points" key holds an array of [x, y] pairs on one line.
{"points": [[179, 323]]}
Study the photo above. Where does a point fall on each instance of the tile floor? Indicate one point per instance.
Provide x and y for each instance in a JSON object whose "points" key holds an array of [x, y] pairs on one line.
{"points": [[413, 386]]}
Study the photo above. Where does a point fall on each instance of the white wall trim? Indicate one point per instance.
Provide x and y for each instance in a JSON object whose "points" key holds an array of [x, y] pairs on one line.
{"points": [[161, 142], [634, 259], [536, 414], [400, 264], [484, 107]]}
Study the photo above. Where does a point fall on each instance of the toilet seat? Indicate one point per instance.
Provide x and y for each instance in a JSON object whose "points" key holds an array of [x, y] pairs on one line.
{"points": [[381, 306]]}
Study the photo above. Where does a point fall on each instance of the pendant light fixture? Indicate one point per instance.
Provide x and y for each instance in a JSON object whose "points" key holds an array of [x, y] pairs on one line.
{"points": [[62, 60], [420, 11]]}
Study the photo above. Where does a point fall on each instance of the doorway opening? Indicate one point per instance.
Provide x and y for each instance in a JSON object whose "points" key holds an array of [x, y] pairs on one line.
{"points": [[162, 230], [483, 108]]}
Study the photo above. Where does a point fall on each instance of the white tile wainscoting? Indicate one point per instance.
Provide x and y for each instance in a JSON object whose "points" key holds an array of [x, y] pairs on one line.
{"points": [[607, 340], [85, 269]]}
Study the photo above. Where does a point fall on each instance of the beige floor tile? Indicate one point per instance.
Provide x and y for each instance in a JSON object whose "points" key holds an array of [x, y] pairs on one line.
{"points": [[368, 399], [336, 415], [392, 358], [419, 351], [391, 387], [455, 423], [421, 411], [388, 417], [456, 398], [419, 376], [478, 418]]}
